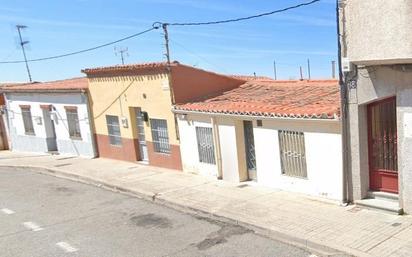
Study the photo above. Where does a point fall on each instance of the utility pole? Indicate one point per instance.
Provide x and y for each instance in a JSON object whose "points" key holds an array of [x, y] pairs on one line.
{"points": [[333, 69], [164, 26], [22, 43], [309, 69], [274, 69], [122, 52]]}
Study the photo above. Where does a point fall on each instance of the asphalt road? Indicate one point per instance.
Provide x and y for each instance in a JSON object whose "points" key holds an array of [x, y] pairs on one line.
{"points": [[43, 216]]}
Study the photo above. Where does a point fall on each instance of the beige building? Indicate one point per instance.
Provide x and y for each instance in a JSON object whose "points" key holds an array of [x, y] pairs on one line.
{"points": [[131, 108], [376, 50]]}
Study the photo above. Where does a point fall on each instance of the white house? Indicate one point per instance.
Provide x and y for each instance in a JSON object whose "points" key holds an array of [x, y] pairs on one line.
{"points": [[281, 134], [50, 117]]}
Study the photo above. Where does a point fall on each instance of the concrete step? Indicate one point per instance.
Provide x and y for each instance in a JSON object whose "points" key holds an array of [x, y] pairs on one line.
{"points": [[385, 205], [383, 196]]}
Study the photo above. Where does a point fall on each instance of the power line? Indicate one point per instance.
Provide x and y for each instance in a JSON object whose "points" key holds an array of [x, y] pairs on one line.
{"points": [[85, 50], [242, 18], [157, 25]]}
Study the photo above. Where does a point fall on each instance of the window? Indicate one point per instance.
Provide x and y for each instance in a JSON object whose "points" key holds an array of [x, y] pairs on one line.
{"points": [[160, 136], [27, 120], [292, 153], [205, 145], [113, 128], [73, 122]]}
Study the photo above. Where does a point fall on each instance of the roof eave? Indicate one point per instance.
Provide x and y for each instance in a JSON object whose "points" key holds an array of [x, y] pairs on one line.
{"points": [[260, 117]]}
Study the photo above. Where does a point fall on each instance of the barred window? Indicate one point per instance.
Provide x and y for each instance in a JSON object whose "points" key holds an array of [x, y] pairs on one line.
{"points": [[73, 122], [292, 153], [205, 145], [160, 135], [113, 127], [27, 120]]}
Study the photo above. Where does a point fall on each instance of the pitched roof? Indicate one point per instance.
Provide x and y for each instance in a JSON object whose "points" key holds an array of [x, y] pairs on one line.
{"points": [[129, 67], [58, 85], [316, 99], [249, 77]]}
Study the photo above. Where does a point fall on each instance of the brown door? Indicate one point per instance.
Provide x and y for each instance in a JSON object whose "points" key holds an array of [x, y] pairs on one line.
{"points": [[383, 154]]}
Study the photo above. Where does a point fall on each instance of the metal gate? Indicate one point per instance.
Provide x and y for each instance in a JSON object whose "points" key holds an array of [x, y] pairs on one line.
{"points": [[383, 141], [141, 135], [250, 149], [205, 145]]}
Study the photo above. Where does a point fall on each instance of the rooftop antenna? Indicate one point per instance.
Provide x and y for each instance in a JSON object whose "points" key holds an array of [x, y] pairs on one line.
{"points": [[274, 69], [309, 69], [301, 72], [123, 52], [22, 44]]}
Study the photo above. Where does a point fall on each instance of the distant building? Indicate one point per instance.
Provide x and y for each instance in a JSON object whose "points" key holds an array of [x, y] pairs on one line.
{"points": [[281, 134], [131, 106], [376, 37], [50, 117]]}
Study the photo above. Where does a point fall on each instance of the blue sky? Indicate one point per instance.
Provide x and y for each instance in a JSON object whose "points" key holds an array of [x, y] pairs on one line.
{"points": [[56, 27]]}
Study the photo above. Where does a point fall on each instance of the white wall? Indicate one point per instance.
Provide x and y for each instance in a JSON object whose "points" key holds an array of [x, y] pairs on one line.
{"points": [[37, 142], [323, 158], [189, 149], [323, 153]]}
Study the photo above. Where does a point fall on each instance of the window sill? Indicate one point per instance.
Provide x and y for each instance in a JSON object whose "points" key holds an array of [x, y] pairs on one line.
{"points": [[162, 153], [76, 138], [29, 134], [297, 177]]}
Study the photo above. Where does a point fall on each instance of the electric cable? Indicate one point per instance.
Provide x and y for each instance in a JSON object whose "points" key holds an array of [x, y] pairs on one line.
{"points": [[84, 50]]}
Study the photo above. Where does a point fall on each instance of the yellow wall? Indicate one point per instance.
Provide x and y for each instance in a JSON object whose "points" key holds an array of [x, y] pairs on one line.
{"points": [[114, 95]]}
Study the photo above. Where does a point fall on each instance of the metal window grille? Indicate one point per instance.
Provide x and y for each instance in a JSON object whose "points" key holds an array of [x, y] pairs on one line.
{"points": [[249, 145], [73, 123], [113, 128], [27, 120], [205, 145], [160, 135], [292, 153]]}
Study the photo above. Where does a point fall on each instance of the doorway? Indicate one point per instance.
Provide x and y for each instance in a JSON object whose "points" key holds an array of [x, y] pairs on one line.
{"points": [[382, 145], [141, 135], [50, 130], [250, 150]]}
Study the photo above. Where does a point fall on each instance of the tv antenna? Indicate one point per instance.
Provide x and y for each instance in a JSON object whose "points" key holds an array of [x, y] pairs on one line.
{"points": [[122, 52], [22, 44]]}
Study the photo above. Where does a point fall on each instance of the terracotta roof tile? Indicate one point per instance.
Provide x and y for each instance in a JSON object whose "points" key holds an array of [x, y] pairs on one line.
{"points": [[294, 99], [67, 84], [249, 77], [129, 67]]}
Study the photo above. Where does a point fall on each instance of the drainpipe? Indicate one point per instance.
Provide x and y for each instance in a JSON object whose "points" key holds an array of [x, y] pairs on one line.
{"points": [[344, 107], [216, 142]]}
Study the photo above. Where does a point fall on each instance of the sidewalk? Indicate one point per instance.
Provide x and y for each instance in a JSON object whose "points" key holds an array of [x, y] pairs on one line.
{"points": [[304, 220]]}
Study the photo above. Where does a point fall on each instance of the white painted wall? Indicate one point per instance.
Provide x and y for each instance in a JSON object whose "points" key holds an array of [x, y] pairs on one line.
{"points": [[323, 153], [37, 143], [323, 158], [189, 149]]}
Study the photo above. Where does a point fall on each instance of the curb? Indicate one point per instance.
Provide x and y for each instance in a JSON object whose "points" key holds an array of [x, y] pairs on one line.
{"points": [[318, 249]]}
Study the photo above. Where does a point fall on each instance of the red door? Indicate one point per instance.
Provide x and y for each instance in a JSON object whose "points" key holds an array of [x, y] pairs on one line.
{"points": [[383, 154]]}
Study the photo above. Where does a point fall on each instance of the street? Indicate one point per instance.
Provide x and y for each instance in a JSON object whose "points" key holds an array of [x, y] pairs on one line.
{"points": [[41, 215]]}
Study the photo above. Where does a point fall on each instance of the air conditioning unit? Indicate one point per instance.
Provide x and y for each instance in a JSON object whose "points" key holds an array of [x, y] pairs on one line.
{"points": [[125, 122]]}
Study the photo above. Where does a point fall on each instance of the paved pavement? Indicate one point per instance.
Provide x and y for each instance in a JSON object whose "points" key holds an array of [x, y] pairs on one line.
{"points": [[45, 216], [306, 221]]}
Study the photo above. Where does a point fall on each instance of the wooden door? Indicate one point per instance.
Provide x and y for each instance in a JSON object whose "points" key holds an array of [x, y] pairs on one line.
{"points": [[383, 152]]}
